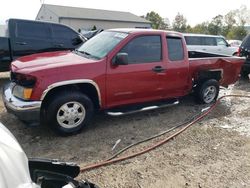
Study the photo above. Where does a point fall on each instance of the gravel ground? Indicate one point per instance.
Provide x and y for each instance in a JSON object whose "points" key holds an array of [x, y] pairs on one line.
{"points": [[213, 153]]}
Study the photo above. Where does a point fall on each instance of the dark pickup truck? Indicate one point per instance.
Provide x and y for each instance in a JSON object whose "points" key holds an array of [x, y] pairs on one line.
{"points": [[244, 51], [25, 37]]}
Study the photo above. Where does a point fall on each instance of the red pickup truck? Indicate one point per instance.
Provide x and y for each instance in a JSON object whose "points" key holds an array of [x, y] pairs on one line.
{"points": [[118, 71]]}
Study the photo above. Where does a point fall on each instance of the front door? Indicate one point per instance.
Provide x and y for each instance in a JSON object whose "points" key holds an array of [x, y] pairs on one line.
{"points": [[139, 80]]}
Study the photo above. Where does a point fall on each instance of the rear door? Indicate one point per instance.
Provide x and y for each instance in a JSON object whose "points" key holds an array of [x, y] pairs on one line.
{"points": [[139, 80], [63, 37], [175, 80], [29, 37]]}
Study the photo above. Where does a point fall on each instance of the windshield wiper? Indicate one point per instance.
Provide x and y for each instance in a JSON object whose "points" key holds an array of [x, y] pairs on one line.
{"points": [[86, 54]]}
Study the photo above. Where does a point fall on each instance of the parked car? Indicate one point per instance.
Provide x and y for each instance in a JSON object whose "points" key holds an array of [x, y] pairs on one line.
{"points": [[17, 171], [119, 71], [234, 43], [209, 43], [24, 37], [244, 51], [89, 34]]}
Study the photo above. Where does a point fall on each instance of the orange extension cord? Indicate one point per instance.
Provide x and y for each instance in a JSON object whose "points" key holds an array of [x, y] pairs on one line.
{"points": [[105, 163]]}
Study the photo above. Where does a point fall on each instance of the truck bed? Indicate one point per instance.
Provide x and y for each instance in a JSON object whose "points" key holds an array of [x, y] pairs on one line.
{"points": [[228, 67], [201, 54]]}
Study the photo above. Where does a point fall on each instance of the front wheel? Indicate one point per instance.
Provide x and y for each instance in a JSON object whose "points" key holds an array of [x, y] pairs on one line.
{"points": [[68, 112], [207, 92]]}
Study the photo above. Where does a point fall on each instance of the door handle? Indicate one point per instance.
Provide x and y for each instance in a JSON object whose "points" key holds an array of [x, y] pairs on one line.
{"points": [[158, 69], [21, 43]]}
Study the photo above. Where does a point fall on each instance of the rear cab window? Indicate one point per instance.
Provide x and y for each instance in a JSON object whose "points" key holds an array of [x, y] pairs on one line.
{"points": [[63, 32], [175, 49], [33, 30]]}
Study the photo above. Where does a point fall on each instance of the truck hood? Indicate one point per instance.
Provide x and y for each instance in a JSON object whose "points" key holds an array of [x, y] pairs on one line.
{"points": [[48, 60]]}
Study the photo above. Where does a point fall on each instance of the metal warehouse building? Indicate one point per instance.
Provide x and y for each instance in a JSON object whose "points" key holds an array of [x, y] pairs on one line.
{"points": [[84, 18], [2, 30]]}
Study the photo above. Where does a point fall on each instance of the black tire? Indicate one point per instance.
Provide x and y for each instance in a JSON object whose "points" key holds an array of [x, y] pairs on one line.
{"points": [[244, 74], [68, 105], [210, 86]]}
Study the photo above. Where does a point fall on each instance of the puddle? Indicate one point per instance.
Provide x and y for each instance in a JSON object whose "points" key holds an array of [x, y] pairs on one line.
{"points": [[241, 125], [239, 118]]}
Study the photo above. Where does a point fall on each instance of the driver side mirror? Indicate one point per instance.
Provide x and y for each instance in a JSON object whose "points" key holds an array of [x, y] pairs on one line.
{"points": [[120, 59]]}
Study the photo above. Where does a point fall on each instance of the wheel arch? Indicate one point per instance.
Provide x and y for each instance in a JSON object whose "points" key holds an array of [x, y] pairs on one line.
{"points": [[85, 86], [204, 75]]}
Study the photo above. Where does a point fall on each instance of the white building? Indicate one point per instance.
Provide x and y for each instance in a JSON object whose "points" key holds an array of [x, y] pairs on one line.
{"points": [[2, 30], [87, 19]]}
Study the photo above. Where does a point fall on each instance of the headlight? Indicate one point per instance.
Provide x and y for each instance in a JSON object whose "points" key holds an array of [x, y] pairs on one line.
{"points": [[22, 92], [23, 79]]}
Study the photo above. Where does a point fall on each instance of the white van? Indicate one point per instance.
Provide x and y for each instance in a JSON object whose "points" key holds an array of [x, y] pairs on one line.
{"points": [[209, 43]]}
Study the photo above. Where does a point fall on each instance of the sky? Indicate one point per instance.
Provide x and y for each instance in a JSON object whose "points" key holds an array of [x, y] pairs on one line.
{"points": [[196, 11]]}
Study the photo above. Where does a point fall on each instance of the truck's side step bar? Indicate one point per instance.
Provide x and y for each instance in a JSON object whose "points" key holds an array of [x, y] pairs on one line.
{"points": [[141, 107]]}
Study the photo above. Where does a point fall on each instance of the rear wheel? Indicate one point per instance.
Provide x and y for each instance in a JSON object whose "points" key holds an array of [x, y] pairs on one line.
{"points": [[69, 112], [208, 91]]}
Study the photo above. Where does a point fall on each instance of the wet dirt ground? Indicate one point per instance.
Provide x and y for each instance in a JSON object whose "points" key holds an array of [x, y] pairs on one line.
{"points": [[215, 152]]}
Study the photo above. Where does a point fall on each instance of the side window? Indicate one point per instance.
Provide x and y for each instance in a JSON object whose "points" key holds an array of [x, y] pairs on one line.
{"points": [[61, 32], [175, 48], [144, 49], [192, 40], [221, 42], [209, 41], [33, 30]]}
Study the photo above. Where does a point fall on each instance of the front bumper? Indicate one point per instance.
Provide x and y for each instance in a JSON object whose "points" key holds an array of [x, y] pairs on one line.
{"points": [[25, 110]]}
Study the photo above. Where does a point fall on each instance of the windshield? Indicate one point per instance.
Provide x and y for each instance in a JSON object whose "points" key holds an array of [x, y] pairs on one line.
{"points": [[100, 45]]}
